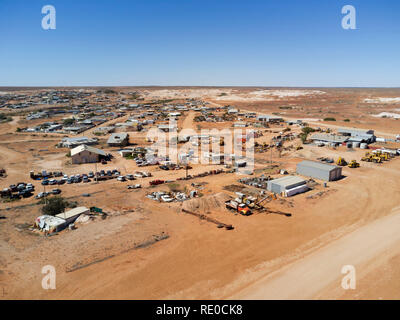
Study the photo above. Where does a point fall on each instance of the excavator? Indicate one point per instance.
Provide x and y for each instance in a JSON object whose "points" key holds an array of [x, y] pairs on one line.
{"points": [[341, 162]]}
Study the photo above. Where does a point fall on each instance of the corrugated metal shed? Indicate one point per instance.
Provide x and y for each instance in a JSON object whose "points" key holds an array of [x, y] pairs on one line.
{"points": [[285, 183], [355, 132], [319, 170], [326, 137]]}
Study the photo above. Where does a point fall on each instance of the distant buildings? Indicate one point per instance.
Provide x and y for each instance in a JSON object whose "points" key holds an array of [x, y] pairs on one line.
{"points": [[73, 142], [270, 119], [118, 139], [356, 135]]}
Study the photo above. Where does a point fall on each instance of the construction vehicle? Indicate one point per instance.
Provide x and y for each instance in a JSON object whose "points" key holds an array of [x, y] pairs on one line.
{"points": [[241, 208], [341, 162], [383, 155], [353, 164], [367, 157]]}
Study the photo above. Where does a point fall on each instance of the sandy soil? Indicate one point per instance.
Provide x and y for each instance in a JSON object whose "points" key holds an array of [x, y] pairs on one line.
{"points": [[151, 250]]}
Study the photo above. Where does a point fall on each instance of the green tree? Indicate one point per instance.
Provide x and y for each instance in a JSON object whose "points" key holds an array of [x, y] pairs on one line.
{"points": [[68, 122], [54, 206]]}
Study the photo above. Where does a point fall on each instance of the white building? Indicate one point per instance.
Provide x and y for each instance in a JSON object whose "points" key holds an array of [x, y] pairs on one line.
{"points": [[86, 154]]}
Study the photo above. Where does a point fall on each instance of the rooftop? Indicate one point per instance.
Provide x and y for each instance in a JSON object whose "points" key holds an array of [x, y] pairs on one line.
{"points": [[317, 165], [84, 147], [329, 137], [288, 180]]}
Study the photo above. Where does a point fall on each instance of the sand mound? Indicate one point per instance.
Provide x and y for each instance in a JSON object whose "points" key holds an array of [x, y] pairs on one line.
{"points": [[206, 204]]}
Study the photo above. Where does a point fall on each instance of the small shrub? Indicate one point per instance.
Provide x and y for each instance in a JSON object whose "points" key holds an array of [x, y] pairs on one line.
{"points": [[54, 205]]}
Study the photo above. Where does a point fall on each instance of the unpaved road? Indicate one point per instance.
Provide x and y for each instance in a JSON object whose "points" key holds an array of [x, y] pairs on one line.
{"points": [[306, 278]]}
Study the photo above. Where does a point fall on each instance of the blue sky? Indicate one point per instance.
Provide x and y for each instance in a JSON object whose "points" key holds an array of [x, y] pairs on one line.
{"points": [[193, 42]]}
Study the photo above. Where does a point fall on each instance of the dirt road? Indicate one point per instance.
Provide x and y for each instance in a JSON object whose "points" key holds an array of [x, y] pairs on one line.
{"points": [[307, 277]]}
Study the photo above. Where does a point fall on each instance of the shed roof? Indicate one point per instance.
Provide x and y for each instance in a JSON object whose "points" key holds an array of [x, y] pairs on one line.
{"points": [[84, 147], [288, 181], [329, 137], [317, 165], [117, 137], [72, 213], [356, 131]]}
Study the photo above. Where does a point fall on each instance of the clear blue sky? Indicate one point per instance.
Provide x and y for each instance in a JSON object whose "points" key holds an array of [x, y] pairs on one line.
{"points": [[200, 42]]}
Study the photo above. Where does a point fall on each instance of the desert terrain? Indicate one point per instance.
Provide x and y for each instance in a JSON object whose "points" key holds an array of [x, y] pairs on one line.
{"points": [[146, 249]]}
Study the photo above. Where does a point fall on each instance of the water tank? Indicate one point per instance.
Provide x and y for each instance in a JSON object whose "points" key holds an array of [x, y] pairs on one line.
{"points": [[364, 146], [349, 145], [356, 144]]}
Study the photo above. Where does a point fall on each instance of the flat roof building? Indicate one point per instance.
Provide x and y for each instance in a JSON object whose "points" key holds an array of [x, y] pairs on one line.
{"points": [[319, 170], [118, 139]]}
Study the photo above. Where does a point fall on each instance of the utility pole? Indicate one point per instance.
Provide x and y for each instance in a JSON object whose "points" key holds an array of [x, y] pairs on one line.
{"points": [[95, 173], [44, 194], [271, 155]]}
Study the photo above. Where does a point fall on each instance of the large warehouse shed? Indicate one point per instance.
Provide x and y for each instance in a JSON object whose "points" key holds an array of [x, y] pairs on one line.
{"points": [[319, 170], [288, 185]]}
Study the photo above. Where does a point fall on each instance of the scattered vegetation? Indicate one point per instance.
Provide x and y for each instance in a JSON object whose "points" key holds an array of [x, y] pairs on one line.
{"points": [[346, 120], [134, 96], [53, 206], [174, 187], [107, 91], [305, 132], [68, 122], [329, 119], [4, 118]]}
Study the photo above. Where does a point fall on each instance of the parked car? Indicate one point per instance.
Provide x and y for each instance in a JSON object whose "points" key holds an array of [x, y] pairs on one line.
{"points": [[45, 182], [130, 177], [91, 174], [156, 182], [55, 191], [41, 195], [134, 186], [26, 194], [61, 181], [121, 178]]}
